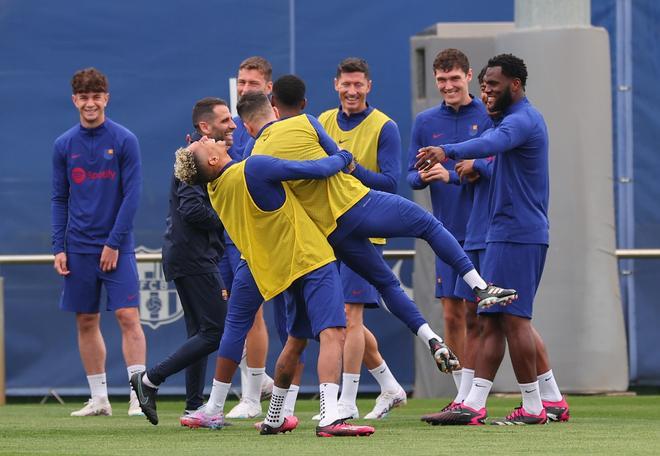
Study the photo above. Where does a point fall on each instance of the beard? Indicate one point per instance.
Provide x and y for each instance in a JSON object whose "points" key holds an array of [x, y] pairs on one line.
{"points": [[503, 101]]}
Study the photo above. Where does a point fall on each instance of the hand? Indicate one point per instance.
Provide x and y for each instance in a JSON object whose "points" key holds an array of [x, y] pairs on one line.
{"points": [[449, 361], [351, 167], [465, 168], [109, 257], [429, 156], [473, 177], [436, 173], [60, 264]]}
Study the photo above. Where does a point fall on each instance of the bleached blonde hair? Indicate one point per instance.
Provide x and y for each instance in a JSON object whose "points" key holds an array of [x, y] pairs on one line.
{"points": [[185, 167]]}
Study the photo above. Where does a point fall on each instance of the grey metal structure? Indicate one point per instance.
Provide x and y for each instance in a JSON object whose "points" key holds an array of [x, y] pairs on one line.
{"points": [[578, 308]]}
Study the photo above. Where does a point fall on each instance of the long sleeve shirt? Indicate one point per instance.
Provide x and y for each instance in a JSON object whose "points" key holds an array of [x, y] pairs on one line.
{"points": [[192, 243], [264, 175], [441, 125], [520, 185], [96, 189]]}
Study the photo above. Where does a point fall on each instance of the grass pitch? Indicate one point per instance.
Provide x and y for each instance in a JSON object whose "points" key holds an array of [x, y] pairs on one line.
{"points": [[599, 425]]}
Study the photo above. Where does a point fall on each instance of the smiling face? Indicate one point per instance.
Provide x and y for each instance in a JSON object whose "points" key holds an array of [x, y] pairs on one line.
{"points": [[220, 126], [252, 80], [453, 86], [501, 90], [91, 106], [353, 89]]}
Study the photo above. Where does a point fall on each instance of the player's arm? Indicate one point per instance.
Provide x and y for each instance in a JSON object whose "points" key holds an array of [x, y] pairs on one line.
{"points": [[59, 210], [484, 166], [327, 143], [275, 169], [131, 180], [512, 132], [193, 209], [413, 178], [389, 161]]}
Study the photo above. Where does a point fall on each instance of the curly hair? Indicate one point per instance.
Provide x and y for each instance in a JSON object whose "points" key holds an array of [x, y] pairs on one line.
{"points": [[89, 80], [512, 67], [185, 166]]}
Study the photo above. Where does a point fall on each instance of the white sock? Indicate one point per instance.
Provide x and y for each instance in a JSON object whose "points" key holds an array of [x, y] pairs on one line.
{"points": [[456, 375], [290, 401], [426, 333], [98, 385], [467, 375], [275, 417], [148, 382], [474, 280], [252, 391], [531, 397], [476, 398], [349, 388], [216, 403], [548, 387], [328, 399], [134, 369], [385, 379]]}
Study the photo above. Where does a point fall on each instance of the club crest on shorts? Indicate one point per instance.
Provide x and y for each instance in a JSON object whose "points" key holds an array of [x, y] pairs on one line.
{"points": [[159, 302]]}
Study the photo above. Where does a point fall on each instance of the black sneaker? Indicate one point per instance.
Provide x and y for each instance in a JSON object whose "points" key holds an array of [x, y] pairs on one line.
{"points": [[519, 416], [460, 415], [444, 357], [451, 406], [146, 397], [492, 295]]}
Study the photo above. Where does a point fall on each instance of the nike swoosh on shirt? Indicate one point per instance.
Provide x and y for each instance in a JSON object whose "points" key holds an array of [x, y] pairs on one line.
{"points": [[75, 155], [341, 141]]}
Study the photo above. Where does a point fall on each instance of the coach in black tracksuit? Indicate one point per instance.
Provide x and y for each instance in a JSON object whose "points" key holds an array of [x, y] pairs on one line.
{"points": [[192, 248]]}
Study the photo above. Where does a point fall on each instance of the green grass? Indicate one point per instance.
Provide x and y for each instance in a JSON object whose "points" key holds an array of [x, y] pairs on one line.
{"points": [[599, 425]]}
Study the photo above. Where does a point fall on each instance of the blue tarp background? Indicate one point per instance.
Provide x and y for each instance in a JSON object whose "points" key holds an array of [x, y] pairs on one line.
{"points": [[162, 56]]}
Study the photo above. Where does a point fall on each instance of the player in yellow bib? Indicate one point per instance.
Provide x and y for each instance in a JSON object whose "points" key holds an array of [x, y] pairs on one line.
{"points": [[349, 213], [374, 140], [283, 249]]}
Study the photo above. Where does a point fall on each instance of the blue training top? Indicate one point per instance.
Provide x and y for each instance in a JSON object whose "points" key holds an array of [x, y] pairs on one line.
{"points": [[477, 225], [520, 185], [96, 189], [441, 125]]}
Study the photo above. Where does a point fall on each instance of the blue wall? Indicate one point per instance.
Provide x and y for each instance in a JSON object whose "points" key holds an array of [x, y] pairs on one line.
{"points": [[160, 58]]}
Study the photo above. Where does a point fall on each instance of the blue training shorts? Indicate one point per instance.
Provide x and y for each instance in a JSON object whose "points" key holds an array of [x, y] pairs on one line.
{"points": [[445, 280], [356, 289], [462, 289], [317, 303], [82, 287], [519, 266]]}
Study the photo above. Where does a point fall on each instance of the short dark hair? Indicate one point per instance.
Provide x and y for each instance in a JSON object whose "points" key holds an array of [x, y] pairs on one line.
{"points": [[353, 65], [203, 110], [89, 80], [451, 58], [512, 66], [482, 73], [289, 90], [258, 63], [252, 105]]}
